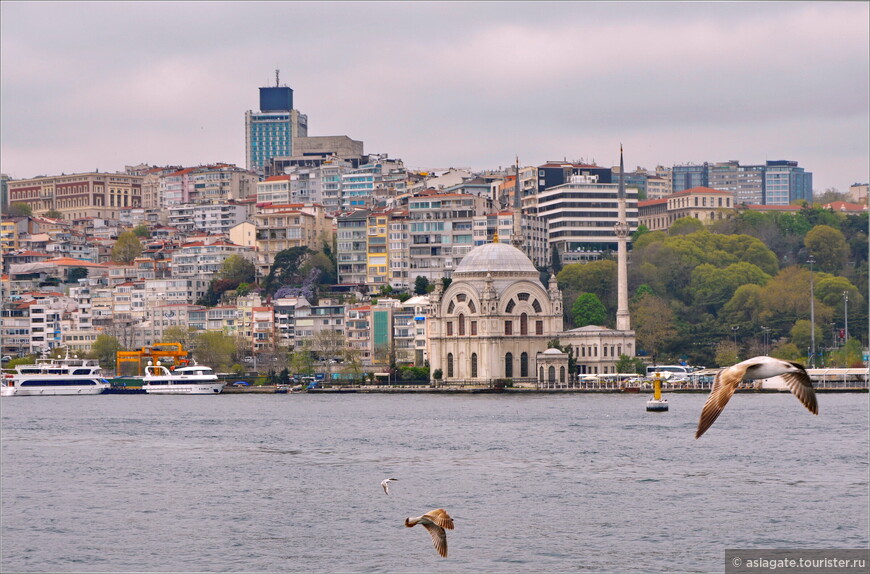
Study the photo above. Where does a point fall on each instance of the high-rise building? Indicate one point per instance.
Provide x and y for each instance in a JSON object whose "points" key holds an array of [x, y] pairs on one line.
{"points": [[685, 177], [271, 131], [746, 182], [785, 182]]}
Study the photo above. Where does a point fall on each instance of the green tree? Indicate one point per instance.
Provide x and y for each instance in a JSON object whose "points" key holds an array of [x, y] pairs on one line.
{"points": [[77, 273], [421, 285], [685, 225], [105, 349], [285, 270], [141, 230], [19, 210], [238, 269], [180, 334], [627, 364], [214, 349], [302, 362], [588, 310], [598, 277], [712, 287], [849, 355], [654, 324], [555, 260], [828, 246], [727, 353], [54, 214], [801, 334], [788, 352], [127, 248]]}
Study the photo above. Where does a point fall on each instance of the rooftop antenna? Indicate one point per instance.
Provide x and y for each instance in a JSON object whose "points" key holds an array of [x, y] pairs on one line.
{"points": [[277, 71]]}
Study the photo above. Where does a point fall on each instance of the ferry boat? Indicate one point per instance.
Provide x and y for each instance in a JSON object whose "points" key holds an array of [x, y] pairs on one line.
{"points": [[188, 380], [67, 376]]}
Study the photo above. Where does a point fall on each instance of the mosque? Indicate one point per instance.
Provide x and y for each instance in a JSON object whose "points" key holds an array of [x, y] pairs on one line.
{"points": [[495, 319]]}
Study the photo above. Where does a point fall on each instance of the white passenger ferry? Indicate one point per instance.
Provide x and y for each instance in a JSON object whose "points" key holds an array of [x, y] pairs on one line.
{"points": [[189, 380], [67, 376]]}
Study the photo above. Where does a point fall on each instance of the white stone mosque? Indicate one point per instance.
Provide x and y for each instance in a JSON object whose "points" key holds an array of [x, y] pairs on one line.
{"points": [[495, 318]]}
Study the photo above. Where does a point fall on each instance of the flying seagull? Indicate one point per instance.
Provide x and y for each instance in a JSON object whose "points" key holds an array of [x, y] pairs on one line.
{"points": [[435, 522], [727, 379], [386, 484]]}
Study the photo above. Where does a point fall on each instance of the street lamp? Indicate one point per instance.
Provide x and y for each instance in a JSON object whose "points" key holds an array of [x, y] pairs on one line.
{"points": [[734, 330], [812, 316], [765, 331]]}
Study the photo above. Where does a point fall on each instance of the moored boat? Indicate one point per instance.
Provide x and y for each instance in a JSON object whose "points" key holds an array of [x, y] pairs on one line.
{"points": [[188, 380], [47, 377]]}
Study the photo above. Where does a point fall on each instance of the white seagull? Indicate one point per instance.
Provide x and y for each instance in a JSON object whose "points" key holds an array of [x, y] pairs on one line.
{"points": [[727, 379], [385, 484], [435, 522]]}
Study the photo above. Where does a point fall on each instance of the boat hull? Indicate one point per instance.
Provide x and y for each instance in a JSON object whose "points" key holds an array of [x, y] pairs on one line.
{"points": [[53, 391], [184, 389]]}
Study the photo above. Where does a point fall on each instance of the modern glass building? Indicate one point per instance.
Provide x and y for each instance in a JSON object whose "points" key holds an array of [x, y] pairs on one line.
{"points": [[785, 182], [270, 132]]}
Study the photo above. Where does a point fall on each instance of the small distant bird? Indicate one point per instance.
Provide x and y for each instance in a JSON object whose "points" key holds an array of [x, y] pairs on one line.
{"points": [[727, 379], [386, 484], [435, 522]]}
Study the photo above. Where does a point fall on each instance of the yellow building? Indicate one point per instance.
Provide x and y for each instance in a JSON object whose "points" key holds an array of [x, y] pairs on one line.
{"points": [[377, 258]]}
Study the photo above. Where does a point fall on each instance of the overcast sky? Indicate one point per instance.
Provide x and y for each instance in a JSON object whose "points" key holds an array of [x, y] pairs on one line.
{"points": [[101, 85]]}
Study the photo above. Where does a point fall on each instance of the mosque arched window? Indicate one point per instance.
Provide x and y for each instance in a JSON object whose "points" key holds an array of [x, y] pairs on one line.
{"points": [[539, 327], [524, 324], [450, 365], [536, 306], [473, 365], [461, 325], [509, 365], [523, 296], [471, 306], [552, 374], [510, 306], [561, 374], [524, 365], [451, 307]]}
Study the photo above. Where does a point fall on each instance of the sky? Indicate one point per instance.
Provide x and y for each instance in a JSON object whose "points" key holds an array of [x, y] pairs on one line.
{"points": [[103, 85]]}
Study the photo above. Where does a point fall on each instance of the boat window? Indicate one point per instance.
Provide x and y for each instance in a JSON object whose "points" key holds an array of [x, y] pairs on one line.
{"points": [[57, 383]]}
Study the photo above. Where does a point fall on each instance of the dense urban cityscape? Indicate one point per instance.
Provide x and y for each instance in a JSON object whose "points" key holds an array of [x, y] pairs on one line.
{"points": [[317, 255]]}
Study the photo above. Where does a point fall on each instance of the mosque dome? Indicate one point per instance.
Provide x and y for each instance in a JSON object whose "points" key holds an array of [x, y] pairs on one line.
{"points": [[495, 258]]}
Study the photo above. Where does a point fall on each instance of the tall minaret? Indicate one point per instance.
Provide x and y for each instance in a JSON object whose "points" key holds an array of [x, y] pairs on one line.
{"points": [[623, 321], [517, 234]]}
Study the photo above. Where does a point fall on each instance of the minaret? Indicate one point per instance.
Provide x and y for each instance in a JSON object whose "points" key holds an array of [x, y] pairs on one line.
{"points": [[517, 234], [623, 320]]}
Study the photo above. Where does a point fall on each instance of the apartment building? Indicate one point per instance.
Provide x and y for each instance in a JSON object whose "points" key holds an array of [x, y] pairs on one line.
{"points": [[581, 216], [352, 242], [702, 203], [289, 225], [199, 262]]}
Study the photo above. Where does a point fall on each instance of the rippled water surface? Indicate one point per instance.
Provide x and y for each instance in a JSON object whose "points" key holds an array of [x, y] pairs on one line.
{"points": [[561, 483]]}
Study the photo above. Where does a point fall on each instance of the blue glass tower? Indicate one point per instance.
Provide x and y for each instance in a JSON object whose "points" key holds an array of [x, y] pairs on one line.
{"points": [[270, 132]]}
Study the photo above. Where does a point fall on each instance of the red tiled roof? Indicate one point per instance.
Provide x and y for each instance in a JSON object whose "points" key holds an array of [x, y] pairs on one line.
{"points": [[845, 206], [699, 189], [649, 202]]}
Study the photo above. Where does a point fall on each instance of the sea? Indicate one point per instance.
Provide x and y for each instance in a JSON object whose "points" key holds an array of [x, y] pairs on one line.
{"points": [[556, 483]]}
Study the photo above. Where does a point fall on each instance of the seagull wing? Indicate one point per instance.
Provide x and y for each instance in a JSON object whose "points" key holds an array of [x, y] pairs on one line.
{"points": [[439, 538], [724, 385], [386, 485], [801, 386], [440, 517]]}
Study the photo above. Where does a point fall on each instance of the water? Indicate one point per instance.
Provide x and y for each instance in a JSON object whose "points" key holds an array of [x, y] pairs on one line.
{"points": [[288, 483]]}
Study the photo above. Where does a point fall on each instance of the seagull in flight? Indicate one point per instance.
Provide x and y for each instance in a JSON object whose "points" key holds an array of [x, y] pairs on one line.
{"points": [[385, 484], [435, 521], [727, 379]]}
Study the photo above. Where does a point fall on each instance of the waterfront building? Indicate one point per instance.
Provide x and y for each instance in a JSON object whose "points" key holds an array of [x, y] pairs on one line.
{"points": [[271, 131], [494, 320]]}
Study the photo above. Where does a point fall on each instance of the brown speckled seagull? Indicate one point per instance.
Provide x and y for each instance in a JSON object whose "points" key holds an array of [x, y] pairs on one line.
{"points": [[727, 379], [435, 522]]}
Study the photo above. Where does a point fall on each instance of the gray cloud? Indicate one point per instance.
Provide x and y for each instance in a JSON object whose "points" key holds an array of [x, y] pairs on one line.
{"points": [[90, 85]]}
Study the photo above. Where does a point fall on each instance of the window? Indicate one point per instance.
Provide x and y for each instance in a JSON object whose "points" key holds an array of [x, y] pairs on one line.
{"points": [[449, 328], [561, 374], [524, 324], [471, 306], [552, 374], [539, 327], [536, 306], [508, 327], [461, 325], [523, 296], [474, 328], [509, 365], [510, 306], [450, 365], [524, 365], [473, 365]]}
